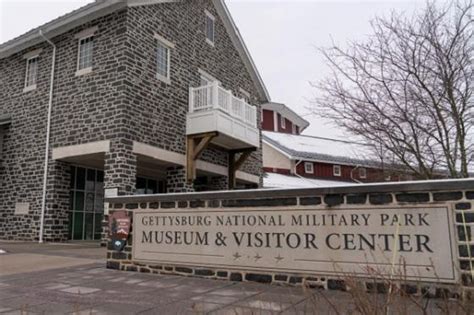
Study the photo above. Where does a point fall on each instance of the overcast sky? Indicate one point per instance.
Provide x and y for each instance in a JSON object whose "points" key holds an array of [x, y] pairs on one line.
{"points": [[282, 37]]}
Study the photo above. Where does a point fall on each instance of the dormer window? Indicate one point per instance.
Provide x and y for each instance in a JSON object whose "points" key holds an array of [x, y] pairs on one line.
{"points": [[293, 131], [210, 28], [308, 168], [362, 173], [282, 122]]}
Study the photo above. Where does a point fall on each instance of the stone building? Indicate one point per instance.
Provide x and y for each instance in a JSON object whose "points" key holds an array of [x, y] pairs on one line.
{"points": [[123, 97]]}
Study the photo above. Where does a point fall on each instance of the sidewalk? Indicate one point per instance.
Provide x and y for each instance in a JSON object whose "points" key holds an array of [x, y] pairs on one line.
{"points": [[50, 286], [24, 257]]}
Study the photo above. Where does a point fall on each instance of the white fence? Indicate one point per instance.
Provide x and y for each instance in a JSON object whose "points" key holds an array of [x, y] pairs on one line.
{"points": [[213, 96]]}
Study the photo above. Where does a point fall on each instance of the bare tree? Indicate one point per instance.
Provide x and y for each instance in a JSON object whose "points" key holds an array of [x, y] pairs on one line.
{"points": [[407, 89]]}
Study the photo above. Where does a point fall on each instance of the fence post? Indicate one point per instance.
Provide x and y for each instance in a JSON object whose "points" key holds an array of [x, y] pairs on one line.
{"points": [[215, 94]]}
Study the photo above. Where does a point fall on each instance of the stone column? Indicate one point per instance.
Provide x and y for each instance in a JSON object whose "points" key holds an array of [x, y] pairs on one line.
{"points": [[120, 173], [56, 216], [120, 168], [176, 180]]}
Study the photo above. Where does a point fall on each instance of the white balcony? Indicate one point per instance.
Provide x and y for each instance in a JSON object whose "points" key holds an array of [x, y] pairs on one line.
{"points": [[214, 109]]}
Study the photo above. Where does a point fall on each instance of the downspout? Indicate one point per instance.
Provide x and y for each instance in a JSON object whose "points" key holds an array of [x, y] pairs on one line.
{"points": [[295, 169], [352, 175], [48, 130], [298, 175]]}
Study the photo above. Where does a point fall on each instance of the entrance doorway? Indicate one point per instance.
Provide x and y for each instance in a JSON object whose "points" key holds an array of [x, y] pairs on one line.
{"points": [[86, 203]]}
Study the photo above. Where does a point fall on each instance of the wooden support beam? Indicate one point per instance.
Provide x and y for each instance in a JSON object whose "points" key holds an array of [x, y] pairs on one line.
{"points": [[190, 165], [235, 165], [193, 150], [203, 143]]}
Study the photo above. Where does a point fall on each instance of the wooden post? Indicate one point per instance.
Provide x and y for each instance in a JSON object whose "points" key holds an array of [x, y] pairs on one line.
{"points": [[235, 165], [193, 150], [190, 167]]}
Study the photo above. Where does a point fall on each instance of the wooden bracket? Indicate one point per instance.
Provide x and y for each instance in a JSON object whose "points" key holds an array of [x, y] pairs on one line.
{"points": [[195, 144], [234, 165]]}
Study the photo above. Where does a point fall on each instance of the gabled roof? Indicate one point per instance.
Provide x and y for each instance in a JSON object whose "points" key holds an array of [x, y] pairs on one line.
{"points": [[318, 149], [288, 113], [100, 8]]}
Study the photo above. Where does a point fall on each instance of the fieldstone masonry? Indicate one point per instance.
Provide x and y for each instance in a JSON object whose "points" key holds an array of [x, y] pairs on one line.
{"points": [[121, 100], [176, 180], [457, 195]]}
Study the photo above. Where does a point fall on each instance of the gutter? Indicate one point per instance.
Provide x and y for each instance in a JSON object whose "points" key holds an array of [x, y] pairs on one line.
{"points": [[48, 131]]}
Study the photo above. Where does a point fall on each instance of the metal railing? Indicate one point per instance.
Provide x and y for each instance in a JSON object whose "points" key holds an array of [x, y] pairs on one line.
{"points": [[213, 96]]}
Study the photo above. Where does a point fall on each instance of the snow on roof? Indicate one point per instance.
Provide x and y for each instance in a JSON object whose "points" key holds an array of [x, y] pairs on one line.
{"points": [[321, 149], [273, 180]]}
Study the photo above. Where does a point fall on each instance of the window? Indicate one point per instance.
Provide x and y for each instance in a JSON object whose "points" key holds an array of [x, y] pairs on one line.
{"points": [[210, 28], [336, 170], [293, 129], [146, 186], [283, 122], [308, 168], [84, 61], [206, 79], [362, 173], [31, 73], [163, 59], [245, 95], [86, 203]]}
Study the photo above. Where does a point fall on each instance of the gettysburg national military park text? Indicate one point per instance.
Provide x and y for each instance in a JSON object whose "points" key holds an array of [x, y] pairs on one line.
{"points": [[190, 230]]}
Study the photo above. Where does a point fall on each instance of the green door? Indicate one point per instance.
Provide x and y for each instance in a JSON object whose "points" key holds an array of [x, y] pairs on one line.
{"points": [[86, 203]]}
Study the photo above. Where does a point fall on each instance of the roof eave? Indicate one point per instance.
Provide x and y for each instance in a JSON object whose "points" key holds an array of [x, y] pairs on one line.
{"points": [[239, 42], [288, 113], [62, 25]]}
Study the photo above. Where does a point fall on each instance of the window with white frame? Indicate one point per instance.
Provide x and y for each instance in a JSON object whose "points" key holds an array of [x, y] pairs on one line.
{"points": [[31, 72], [210, 28], [293, 129], [163, 58], [86, 50], [308, 168], [282, 121], [336, 170], [362, 173]]}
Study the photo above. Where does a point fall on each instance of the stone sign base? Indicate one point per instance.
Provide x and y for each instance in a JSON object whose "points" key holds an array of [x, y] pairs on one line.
{"points": [[417, 234]]}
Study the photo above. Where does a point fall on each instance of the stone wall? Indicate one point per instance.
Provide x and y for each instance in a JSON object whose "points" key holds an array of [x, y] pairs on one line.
{"points": [[456, 196], [153, 101], [120, 100], [86, 108]]}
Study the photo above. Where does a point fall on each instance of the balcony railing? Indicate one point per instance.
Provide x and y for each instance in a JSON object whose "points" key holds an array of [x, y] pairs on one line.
{"points": [[213, 96]]}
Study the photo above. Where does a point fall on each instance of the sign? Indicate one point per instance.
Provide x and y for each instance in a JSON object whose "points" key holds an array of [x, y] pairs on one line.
{"points": [[361, 241], [119, 229], [22, 208]]}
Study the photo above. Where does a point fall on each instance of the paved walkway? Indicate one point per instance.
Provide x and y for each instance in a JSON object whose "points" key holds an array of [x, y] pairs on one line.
{"points": [[43, 287]]}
